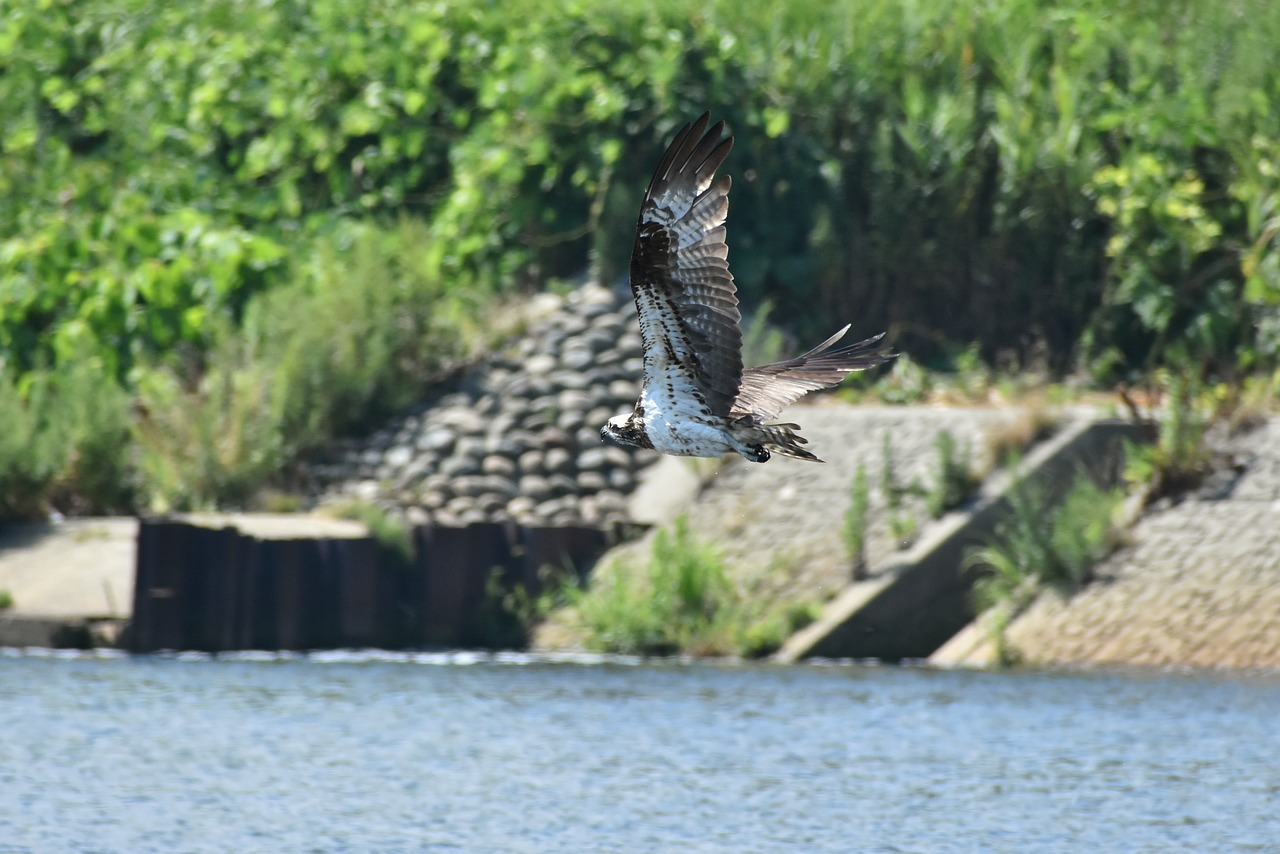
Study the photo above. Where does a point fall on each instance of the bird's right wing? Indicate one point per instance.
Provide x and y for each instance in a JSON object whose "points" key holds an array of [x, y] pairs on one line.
{"points": [[684, 292]]}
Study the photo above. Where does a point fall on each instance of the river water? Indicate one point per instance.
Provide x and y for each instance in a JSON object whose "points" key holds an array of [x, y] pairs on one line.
{"points": [[437, 752]]}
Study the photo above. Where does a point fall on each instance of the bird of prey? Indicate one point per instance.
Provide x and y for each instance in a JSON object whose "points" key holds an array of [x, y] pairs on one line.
{"points": [[696, 400]]}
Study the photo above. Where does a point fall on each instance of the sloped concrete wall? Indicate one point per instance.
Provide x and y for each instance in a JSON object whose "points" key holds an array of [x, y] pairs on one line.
{"points": [[911, 610]]}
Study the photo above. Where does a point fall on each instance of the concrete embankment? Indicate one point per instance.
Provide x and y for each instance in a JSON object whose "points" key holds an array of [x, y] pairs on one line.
{"points": [[71, 582], [925, 597], [1196, 585], [779, 525]]}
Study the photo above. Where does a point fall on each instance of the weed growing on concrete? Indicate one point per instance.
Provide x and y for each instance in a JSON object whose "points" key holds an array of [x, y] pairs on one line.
{"points": [[1048, 545], [388, 529], [6, 600], [904, 528], [1180, 457], [955, 478], [1006, 443], [889, 486], [854, 530], [1040, 546]]}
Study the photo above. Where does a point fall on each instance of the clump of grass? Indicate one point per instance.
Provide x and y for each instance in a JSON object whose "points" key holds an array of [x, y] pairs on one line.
{"points": [[904, 528], [889, 486], [854, 530], [390, 530], [30, 455], [767, 635], [356, 334], [1040, 545], [211, 443], [509, 612], [1048, 545], [6, 600], [681, 601], [955, 478], [1180, 458]]}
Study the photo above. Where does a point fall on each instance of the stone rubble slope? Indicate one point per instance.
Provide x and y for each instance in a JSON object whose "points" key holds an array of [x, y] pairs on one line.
{"points": [[516, 438]]}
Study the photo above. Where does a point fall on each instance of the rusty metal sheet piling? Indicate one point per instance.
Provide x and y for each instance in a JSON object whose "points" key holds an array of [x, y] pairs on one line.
{"points": [[219, 583]]}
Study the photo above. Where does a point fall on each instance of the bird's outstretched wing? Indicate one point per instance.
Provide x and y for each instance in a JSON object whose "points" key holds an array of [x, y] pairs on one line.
{"points": [[684, 292], [769, 389]]}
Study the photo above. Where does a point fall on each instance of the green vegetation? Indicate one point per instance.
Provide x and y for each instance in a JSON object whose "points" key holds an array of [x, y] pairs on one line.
{"points": [[892, 490], [1179, 458], [197, 200], [904, 527], [1043, 545], [954, 479], [391, 532], [682, 601], [854, 530], [509, 612], [355, 334], [6, 600]]}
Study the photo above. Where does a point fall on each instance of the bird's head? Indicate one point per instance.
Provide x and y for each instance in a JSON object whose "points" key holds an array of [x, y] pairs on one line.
{"points": [[624, 430]]}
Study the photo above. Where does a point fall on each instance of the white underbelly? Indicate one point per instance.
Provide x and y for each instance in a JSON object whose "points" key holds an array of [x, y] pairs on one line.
{"points": [[682, 435]]}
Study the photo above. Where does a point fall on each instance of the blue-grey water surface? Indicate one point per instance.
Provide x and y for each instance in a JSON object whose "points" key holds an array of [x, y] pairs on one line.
{"points": [[467, 753]]}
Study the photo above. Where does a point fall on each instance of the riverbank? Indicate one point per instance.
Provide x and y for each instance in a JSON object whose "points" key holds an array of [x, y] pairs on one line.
{"points": [[1196, 585]]}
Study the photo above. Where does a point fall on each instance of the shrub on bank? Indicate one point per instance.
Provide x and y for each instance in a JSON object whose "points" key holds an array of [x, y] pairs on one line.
{"points": [[681, 600]]}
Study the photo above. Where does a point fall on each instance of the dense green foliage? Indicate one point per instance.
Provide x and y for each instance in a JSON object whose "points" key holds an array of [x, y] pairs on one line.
{"points": [[1089, 182]]}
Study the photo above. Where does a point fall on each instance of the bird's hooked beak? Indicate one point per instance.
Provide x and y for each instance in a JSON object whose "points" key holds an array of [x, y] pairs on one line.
{"points": [[614, 431]]}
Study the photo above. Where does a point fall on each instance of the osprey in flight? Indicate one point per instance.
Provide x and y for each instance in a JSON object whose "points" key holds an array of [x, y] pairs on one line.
{"points": [[696, 400]]}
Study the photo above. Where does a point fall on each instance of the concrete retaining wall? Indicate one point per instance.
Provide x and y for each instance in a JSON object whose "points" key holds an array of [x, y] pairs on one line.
{"points": [[916, 606]]}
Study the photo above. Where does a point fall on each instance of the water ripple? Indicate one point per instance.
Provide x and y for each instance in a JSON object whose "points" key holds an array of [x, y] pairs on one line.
{"points": [[363, 751]]}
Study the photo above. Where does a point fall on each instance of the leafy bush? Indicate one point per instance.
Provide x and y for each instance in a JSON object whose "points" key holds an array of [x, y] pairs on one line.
{"points": [[682, 601], [1089, 180], [998, 172]]}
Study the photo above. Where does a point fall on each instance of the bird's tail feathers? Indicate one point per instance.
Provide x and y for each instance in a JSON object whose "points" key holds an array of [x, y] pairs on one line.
{"points": [[760, 441]]}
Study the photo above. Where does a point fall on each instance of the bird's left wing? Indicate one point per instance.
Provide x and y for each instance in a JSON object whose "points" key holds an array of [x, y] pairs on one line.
{"points": [[684, 292]]}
